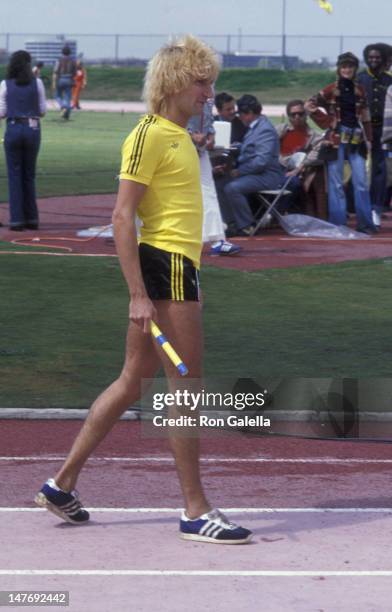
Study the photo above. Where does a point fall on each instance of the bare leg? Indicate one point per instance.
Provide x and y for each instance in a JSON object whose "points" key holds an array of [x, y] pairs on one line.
{"points": [[181, 323], [141, 361]]}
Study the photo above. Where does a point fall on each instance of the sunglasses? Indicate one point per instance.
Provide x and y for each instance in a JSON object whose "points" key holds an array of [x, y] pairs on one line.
{"points": [[301, 114]]}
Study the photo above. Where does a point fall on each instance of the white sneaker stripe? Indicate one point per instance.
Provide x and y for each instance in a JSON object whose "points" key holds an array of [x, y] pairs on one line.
{"points": [[217, 532], [206, 527], [70, 506], [211, 530]]}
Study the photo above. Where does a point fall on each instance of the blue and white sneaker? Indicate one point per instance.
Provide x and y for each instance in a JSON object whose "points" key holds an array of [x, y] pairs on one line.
{"points": [[213, 527], [65, 505], [223, 247]]}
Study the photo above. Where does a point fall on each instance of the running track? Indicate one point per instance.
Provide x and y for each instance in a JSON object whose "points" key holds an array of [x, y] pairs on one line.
{"points": [[320, 512]]}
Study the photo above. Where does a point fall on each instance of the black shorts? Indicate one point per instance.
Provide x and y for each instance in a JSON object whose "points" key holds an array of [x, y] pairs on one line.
{"points": [[168, 276]]}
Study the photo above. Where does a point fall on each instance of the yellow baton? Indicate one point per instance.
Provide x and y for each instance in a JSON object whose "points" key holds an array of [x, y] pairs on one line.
{"points": [[169, 350]]}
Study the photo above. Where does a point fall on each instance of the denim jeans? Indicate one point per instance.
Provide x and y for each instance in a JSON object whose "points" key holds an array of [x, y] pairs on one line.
{"points": [[21, 144], [378, 183], [336, 197], [64, 93], [232, 196]]}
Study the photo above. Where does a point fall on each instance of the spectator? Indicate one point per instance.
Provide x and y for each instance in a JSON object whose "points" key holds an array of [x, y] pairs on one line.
{"points": [[22, 102], [37, 69], [387, 122], [376, 81], [388, 52], [297, 136], [225, 105], [202, 132], [62, 81], [387, 134], [258, 168], [342, 107], [80, 82]]}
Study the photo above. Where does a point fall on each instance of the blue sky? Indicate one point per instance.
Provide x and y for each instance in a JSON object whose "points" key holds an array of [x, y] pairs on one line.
{"points": [[249, 17]]}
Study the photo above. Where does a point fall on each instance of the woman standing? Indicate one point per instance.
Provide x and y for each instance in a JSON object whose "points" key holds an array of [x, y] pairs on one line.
{"points": [[22, 102], [342, 108]]}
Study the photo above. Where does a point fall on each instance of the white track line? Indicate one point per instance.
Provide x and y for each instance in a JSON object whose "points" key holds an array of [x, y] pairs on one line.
{"points": [[141, 572], [227, 510], [214, 460]]}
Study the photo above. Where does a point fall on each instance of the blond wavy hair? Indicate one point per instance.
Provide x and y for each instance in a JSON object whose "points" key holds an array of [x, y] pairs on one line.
{"points": [[174, 67]]}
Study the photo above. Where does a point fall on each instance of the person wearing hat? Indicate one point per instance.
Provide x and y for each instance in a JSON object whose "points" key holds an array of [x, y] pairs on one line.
{"points": [[342, 108], [376, 80]]}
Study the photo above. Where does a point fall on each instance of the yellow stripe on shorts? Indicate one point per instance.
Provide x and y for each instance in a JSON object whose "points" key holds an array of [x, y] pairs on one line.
{"points": [[177, 277], [181, 277], [173, 288]]}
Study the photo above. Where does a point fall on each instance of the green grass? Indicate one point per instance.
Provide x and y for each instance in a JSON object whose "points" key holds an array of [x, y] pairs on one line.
{"points": [[80, 156], [271, 86], [64, 321]]}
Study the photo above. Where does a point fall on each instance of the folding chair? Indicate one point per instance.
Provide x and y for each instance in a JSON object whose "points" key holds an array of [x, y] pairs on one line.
{"points": [[265, 195]]}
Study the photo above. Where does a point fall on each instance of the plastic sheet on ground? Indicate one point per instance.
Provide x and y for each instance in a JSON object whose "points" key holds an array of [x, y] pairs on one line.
{"points": [[103, 231], [310, 227]]}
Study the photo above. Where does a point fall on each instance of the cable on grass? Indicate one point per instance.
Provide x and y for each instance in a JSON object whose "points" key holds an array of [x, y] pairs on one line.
{"points": [[39, 242]]}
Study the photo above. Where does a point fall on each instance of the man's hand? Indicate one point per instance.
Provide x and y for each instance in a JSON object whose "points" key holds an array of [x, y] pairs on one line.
{"points": [[296, 171], [219, 170], [199, 139], [310, 106], [234, 173], [210, 142], [141, 311]]}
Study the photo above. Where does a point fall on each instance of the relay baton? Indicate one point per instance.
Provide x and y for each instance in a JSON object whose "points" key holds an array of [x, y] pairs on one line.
{"points": [[169, 350]]}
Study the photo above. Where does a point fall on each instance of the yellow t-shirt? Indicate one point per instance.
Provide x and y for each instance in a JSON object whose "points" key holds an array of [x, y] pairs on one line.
{"points": [[161, 155]]}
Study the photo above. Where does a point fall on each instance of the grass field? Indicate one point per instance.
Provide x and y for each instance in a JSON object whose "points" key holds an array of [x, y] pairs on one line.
{"points": [[271, 86], [64, 319], [79, 156]]}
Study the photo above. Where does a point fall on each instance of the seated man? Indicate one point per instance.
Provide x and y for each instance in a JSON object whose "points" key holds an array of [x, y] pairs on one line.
{"points": [[225, 105], [309, 187], [258, 169]]}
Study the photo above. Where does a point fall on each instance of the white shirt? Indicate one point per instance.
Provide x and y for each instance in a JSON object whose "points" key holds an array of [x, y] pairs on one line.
{"points": [[3, 98]]}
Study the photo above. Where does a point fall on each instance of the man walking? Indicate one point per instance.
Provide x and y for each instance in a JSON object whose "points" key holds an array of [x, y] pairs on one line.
{"points": [[160, 180], [62, 81]]}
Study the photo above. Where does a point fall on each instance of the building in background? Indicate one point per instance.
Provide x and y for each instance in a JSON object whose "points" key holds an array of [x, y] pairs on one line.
{"points": [[48, 51], [243, 59]]}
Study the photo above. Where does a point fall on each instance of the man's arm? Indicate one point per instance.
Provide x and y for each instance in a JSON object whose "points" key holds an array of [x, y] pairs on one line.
{"points": [[41, 97], [3, 99], [130, 193], [265, 141], [54, 76]]}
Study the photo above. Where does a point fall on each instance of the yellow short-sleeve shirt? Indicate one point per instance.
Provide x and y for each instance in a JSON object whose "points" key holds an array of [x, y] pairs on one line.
{"points": [[161, 155]]}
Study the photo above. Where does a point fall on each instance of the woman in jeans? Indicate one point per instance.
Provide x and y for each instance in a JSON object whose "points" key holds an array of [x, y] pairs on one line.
{"points": [[342, 108], [22, 102]]}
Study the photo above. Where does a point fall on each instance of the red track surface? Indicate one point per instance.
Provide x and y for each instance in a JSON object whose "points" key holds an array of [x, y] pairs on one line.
{"points": [[138, 542], [63, 217], [155, 484]]}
